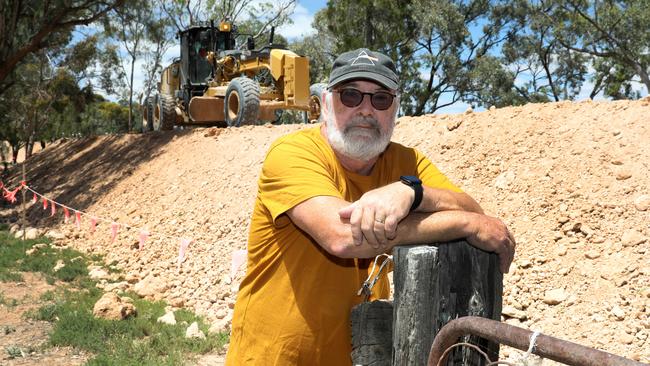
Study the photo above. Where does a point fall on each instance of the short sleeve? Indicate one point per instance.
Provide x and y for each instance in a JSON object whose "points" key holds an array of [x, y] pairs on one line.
{"points": [[293, 172]]}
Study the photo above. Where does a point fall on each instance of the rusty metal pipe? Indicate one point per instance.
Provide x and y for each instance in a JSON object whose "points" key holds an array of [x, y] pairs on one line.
{"points": [[545, 346]]}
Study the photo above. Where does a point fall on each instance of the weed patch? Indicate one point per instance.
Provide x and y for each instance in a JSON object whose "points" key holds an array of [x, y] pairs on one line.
{"points": [[7, 302], [13, 260], [139, 340]]}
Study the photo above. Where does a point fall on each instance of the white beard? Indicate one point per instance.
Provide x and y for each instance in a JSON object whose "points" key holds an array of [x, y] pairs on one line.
{"points": [[356, 142]]}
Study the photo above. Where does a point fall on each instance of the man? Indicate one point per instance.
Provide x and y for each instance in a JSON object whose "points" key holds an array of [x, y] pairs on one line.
{"points": [[330, 199]]}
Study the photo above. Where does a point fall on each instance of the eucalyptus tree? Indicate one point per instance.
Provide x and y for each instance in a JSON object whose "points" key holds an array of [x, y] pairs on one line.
{"points": [[617, 31], [319, 47], [252, 17], [29, 26], [438, 45], [159, 38], [128, 26]]}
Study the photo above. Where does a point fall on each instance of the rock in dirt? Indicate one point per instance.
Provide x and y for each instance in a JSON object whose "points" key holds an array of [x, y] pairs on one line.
{"points": [[631, 237], [168, 318], [220, 326], [193, 331], [98, 274], [555, 296], [504, 180], [623, 175], [111, 306], [618, 313], [117, 286], [55, 235], [59, 264], [35, 248], [642, 203], [32, 233], [150, 286], [512, 312]]}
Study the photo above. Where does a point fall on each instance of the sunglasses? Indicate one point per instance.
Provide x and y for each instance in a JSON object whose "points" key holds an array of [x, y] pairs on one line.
{"points": [[351, 98]]}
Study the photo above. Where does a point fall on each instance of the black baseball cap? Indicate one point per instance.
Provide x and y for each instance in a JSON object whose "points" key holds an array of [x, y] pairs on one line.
{"points": [[364, 64]]}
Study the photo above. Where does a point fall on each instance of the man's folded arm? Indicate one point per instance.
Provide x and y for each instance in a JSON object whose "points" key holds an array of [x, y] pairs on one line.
{"points": [[318, 217]]}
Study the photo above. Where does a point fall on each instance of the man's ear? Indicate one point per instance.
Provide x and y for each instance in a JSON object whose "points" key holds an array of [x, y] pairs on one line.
{"points": [[324, 107]]}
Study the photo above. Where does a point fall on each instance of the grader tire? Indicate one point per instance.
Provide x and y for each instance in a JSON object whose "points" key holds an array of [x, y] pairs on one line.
{"points": [[147, 114], [242, 104], [314, 114], [278, 117], [166, 113]]}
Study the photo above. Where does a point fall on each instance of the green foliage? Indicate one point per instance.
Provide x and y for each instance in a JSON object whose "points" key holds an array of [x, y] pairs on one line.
{"points": [[13, 260], [319, 47], [14, 352], [498, 52], [615, 33], [7, 302], [435, 51], [138, 340], [30, 27]]}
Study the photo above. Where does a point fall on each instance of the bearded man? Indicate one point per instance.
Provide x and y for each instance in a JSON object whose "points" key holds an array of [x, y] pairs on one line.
{"points": [[330, 199]]}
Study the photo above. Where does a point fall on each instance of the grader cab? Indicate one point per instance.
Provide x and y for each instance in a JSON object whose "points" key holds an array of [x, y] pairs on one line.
{"points": [[214, 83]]}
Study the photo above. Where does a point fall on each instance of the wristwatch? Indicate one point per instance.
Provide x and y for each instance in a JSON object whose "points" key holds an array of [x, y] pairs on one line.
{"points": [[415, 183]]}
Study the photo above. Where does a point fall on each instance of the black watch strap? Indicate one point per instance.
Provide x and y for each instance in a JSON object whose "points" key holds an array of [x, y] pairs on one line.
{"points": [[415, 183]]}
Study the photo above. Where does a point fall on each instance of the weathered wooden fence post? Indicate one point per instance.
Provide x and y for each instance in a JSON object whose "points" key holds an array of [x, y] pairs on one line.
{"points": [[372, 333], [435, 284]]}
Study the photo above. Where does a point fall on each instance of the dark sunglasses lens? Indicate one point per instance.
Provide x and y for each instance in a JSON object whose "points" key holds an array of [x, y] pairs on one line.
{"points": [[351, 97], [381, 100]]}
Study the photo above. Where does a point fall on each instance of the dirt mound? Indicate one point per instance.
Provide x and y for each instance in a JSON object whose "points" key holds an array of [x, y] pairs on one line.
{"points": [[571, 179]]}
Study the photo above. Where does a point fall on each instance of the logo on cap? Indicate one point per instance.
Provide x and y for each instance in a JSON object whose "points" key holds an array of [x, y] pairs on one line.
{"points": [[364, 59]]}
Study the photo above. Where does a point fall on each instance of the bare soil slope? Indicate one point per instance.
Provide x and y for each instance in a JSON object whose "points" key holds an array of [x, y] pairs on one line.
{"points": [[570, 179]]}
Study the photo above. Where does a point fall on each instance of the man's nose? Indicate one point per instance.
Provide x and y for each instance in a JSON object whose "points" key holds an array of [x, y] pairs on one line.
{"points": [[366, 105]]}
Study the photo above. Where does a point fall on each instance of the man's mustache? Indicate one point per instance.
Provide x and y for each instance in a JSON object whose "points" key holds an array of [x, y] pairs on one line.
{"points": [[363, 121]]}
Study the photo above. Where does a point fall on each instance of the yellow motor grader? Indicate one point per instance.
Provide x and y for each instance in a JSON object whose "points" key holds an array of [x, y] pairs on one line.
{"points": [[213, 83]]}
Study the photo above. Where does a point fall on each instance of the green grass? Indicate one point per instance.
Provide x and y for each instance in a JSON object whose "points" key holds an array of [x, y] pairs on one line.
{"points": [[7, 302], [13, 260], [139, 340]]}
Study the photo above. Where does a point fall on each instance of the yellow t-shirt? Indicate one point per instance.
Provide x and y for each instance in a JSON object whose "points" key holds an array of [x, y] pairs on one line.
{"points": [[294, 303]]}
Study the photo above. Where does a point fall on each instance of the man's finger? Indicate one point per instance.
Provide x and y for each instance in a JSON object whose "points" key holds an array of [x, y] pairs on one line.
{"points": [[368, 227], [391, 227], [380, 230], [355, 225], [346, 212]]}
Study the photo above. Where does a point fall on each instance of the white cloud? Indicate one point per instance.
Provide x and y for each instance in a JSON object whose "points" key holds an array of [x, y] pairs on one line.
{"points": [[301, 26]]}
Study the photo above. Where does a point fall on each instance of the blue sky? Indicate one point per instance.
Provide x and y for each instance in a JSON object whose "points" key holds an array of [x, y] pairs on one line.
{"points": [[302, 17]]}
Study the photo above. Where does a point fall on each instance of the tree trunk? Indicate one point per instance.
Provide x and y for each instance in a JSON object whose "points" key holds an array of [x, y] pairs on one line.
{"points": [[14, 154], [3, 155], [29, 148], [130, 128]]}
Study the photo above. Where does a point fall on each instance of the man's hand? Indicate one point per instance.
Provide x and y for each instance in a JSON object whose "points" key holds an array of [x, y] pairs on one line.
{"points": [[491, 234], [376, 214]]}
